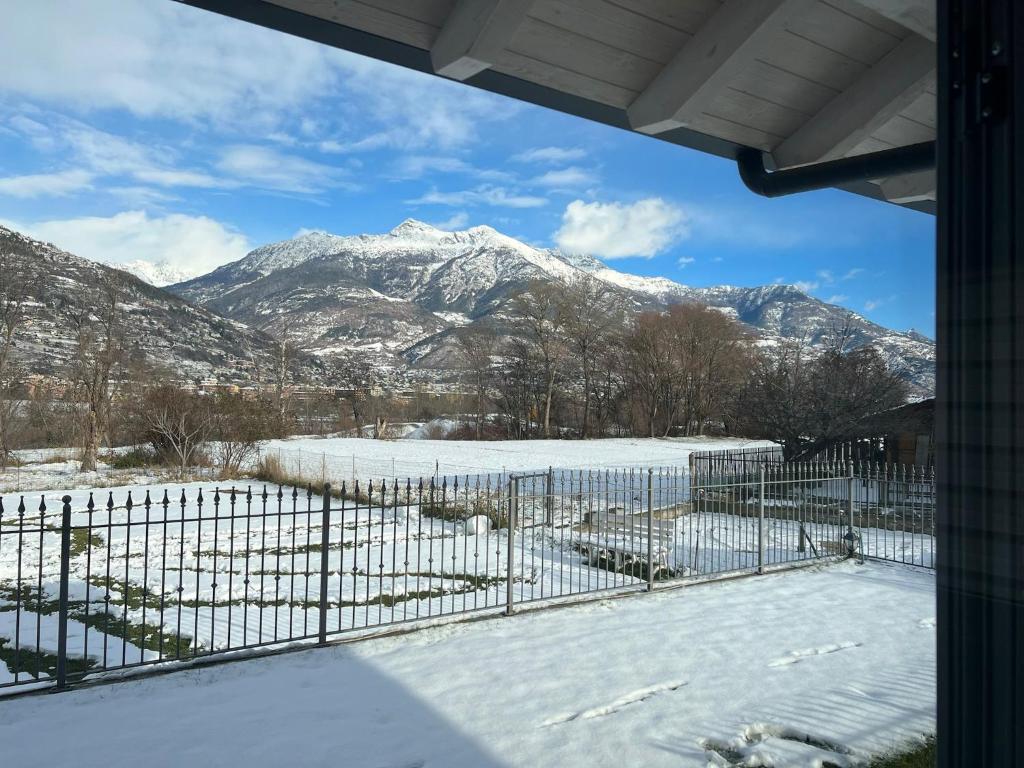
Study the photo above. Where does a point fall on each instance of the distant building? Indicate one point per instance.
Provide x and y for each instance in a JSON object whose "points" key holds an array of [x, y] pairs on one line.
{"points": [[904, 435]]}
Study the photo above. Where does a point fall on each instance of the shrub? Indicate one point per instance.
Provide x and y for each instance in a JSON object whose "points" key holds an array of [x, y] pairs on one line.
{"points": [[270, 470], [139, 457], [452, 511]]}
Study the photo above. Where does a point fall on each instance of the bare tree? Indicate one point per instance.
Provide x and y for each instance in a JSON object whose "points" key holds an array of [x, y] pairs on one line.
{"points": [[282, 377], [517, 386], [236, 425], [708, 352], [647, 364], [807, 400], [178, 423], [590, 311], [609, 388], [13, 294], [538, 317], [477, 346], [99, 351]]}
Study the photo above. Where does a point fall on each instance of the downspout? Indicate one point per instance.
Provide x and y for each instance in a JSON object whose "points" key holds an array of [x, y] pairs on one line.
{"points": [[875, 165]]}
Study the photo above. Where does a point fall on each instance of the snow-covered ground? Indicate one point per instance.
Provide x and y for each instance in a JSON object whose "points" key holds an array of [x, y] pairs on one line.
{"points": [[46, 469], [244, 569], [821, 666], [365, 458], [345, 458]]}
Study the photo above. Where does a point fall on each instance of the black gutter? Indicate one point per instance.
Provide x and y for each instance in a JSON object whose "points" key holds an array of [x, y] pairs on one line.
{"points": [[875, 165]]}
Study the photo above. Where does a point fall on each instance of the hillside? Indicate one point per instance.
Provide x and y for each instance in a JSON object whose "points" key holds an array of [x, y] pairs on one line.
{"points": [[401, 294], [163, 331]]}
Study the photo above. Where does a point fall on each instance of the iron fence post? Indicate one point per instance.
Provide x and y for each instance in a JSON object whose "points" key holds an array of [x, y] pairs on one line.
{"points": [[650, 529], [324, 549], [62, 610], [760, 522], [849, 510], [513, 493], [549, 498]]}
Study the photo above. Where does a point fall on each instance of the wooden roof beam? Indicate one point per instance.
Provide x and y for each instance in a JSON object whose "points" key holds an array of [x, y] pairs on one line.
{"points": [[911, 188], [474, 34], [916, 15], [878, 95], [724, 45]]}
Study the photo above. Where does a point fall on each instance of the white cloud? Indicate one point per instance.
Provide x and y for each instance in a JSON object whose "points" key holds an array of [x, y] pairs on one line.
{"points": [[852, 273], [837, 298], [826, 276], [267, 168], [136, 196], [807, 286], [409, 110], [193, 244], [456, 221], [157, 60], [566, 177], [45, 184], [173, 178], [415, 166], [168, 60], [550, 155], [105, 154], [617, 230], [684, 261], [38, 134], [485, 194]]}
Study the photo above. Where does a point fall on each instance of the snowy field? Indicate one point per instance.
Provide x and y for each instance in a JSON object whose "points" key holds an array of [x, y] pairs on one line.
{"points": [[821, 666], [338, 459], [347, 457]]}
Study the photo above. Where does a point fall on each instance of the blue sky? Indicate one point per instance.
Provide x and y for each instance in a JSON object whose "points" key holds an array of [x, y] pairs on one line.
{"points": [[149, 130]]}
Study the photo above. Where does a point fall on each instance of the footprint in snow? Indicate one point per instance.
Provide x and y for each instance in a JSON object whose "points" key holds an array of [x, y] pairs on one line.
{"points": [[795, 657], [741, 751], [634, 697], [927, 623]]}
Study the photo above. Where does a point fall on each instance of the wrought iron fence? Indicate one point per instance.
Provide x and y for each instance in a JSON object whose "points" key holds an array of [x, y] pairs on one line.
{"points": [[890, 509], [136, 578], [734, 461]]}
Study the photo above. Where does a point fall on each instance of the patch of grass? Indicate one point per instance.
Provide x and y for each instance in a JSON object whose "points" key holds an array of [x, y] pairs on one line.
{"points": [[26, 661], [270, 470], [138, 457], [477, 581], [82, 540], [922, 757], [147, 636], [453, 512]]}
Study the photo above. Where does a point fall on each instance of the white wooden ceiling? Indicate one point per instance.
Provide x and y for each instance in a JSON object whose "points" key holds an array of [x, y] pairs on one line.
{"points": [[805, 80]]}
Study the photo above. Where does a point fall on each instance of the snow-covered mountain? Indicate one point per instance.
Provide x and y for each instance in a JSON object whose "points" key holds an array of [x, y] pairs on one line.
{"points": [[158, 273], [169, 335], [401, 294]]}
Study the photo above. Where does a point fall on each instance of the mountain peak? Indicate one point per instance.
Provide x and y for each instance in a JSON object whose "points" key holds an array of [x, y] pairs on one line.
{"points": [[415, 228], [159, 273]]}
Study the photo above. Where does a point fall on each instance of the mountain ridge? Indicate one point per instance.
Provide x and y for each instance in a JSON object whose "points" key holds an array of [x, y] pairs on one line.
{"points": [[163, 331], [402, 292]]}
